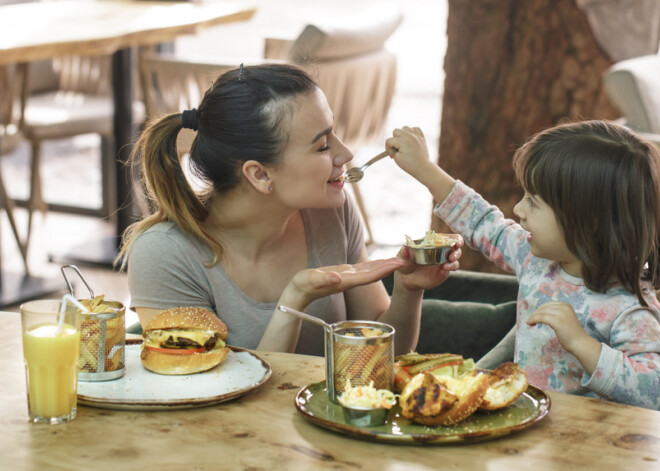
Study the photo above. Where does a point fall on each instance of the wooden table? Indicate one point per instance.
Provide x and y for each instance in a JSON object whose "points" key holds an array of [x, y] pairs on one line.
{"points": [[41, 30], [263, 430]]}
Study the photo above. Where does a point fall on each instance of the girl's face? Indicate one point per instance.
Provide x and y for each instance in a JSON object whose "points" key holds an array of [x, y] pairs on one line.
{"points": [[546, 238], [314, 158]]}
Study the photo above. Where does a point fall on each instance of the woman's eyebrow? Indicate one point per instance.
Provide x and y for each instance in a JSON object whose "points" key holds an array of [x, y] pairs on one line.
{"points": [[325, 132]]}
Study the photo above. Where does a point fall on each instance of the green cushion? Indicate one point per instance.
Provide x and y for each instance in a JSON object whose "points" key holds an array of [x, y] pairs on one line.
{"points": [[135, 328], [466, 285], [466, 328]]}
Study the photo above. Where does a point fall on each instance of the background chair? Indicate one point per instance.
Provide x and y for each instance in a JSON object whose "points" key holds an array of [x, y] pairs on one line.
{"points": [[13, 85], [172, 84], [71, 96], [633, 86]]}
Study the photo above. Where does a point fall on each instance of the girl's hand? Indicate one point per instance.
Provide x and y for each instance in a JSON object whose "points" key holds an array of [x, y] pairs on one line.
{"points": [[412, 153], [415, 276], [563, 320], [313, 283]]}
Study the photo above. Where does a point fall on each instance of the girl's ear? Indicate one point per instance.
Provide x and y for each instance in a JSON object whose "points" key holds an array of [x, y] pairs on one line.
{"points": [[257, 175]]}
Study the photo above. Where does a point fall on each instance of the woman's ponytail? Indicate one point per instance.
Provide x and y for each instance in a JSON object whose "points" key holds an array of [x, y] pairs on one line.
{"points": [[166, 189]]}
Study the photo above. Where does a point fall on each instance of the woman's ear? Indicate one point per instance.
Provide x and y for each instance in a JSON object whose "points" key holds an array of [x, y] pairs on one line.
{"points": [[257, 175]]}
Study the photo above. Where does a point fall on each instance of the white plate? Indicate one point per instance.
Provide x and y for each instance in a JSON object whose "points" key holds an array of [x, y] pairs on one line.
{"points": [[140, 389]]}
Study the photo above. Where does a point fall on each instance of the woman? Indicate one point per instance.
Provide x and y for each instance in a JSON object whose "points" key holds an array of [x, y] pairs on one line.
{"points": [[275, 226]]}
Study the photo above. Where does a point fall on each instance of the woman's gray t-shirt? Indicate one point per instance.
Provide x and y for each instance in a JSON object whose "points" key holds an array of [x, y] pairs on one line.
{"points": [[166, 269]]}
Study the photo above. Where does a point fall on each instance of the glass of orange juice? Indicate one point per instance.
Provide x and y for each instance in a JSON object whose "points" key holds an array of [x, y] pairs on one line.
{"points": [[50, 349]]}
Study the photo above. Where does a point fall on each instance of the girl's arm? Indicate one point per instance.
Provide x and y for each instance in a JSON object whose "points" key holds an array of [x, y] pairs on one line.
{"points": [[563, 320], [413, 157], [628, 369], [482, 225]]}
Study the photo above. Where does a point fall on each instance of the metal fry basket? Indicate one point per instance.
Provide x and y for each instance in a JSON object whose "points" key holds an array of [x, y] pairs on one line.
{"points": [[102, 337], [359, 352]]}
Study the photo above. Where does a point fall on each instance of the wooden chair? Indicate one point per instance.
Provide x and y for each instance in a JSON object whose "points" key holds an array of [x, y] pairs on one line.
{"points": [[13, 84], [71, 96], [172, 84]]}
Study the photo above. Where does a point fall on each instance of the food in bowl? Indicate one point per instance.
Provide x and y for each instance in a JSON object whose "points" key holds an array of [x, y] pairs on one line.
{"points": [[367, 397], [433, 249], [366, 406], [184, 340]]}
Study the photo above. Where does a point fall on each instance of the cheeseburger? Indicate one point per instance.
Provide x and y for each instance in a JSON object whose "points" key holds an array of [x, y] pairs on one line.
{"points": [[183, 340]]}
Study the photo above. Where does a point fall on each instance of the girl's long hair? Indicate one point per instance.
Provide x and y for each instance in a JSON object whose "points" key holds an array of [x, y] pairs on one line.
{"points": [[603, 183], [242, 117]]}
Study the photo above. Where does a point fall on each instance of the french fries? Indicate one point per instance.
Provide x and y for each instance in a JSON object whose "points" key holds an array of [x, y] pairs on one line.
{"points": [[362, 364], [96, 305], [91, 342]]}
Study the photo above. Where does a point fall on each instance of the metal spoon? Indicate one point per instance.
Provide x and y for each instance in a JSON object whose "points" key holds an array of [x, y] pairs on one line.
{"points": [[355, 174], [307, 317]]}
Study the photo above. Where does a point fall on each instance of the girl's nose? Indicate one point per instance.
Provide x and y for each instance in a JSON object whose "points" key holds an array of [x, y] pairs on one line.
{"points": [[517, 210]]}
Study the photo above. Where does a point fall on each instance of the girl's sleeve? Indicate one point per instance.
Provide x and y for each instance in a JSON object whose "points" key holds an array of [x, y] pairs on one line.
{"points": [[628, 369], [484, 227], [162, 274]]}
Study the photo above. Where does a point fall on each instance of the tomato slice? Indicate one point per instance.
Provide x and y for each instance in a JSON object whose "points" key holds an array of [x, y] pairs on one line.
{"points": [[177, 351]]}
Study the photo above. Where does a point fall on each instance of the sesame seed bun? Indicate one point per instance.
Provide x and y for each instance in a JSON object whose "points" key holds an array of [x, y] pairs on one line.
{"points": [[187, 318]]}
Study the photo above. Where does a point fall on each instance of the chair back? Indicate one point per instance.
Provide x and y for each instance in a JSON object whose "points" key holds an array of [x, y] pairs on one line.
{"points": [[633, 86], [172, 84], [353, 68], [13, 85]]}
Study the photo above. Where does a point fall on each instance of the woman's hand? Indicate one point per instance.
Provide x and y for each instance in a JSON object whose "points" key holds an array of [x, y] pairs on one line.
{"points": [[313, 283], [562, 319], [415, 277]]}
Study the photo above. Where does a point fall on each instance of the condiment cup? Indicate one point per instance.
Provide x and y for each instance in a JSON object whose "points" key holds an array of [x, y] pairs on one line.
{"points": [[365, 416], [429, 255]]}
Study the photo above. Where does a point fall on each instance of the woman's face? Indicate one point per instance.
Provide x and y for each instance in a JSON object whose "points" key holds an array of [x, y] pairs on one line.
{"points": [[313, 159]]}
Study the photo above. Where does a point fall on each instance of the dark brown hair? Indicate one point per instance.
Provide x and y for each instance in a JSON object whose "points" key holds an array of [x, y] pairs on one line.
{"points": [[603, 183], [242, 117]]}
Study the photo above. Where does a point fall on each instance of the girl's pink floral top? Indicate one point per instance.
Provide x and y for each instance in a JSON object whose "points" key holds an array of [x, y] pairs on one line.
{"points": [[628, 369]]}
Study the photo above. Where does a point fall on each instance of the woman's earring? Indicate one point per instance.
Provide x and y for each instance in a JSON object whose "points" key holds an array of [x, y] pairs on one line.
{"points": [[270, 187]]}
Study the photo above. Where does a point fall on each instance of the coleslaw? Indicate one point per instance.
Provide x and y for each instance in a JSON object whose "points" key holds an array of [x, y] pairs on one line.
{"points": [[431, 239], [366, 397]]}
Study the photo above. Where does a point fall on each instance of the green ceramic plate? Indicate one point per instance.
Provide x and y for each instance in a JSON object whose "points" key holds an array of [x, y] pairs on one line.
{"points": [[312, 401]]}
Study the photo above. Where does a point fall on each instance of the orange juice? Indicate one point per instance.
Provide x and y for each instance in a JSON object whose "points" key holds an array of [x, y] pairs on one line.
{"points": [[51, 366]]}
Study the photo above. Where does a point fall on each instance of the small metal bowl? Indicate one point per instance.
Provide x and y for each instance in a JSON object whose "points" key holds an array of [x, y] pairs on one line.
{"points": [[365, 416], [429, 255]]}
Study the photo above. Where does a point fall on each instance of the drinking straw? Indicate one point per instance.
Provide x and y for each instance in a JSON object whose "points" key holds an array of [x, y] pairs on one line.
{"points": [[75, 302]]}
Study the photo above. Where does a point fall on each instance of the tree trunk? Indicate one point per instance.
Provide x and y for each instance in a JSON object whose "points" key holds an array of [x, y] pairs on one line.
{"points": [[512, 68]]}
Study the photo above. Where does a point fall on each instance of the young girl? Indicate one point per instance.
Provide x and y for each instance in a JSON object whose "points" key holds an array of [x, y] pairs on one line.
{"points": [[586, 254], [272, 227]]}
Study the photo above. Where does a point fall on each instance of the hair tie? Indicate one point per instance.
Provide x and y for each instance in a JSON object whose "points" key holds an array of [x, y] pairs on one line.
{"points": [[189, 119]]}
